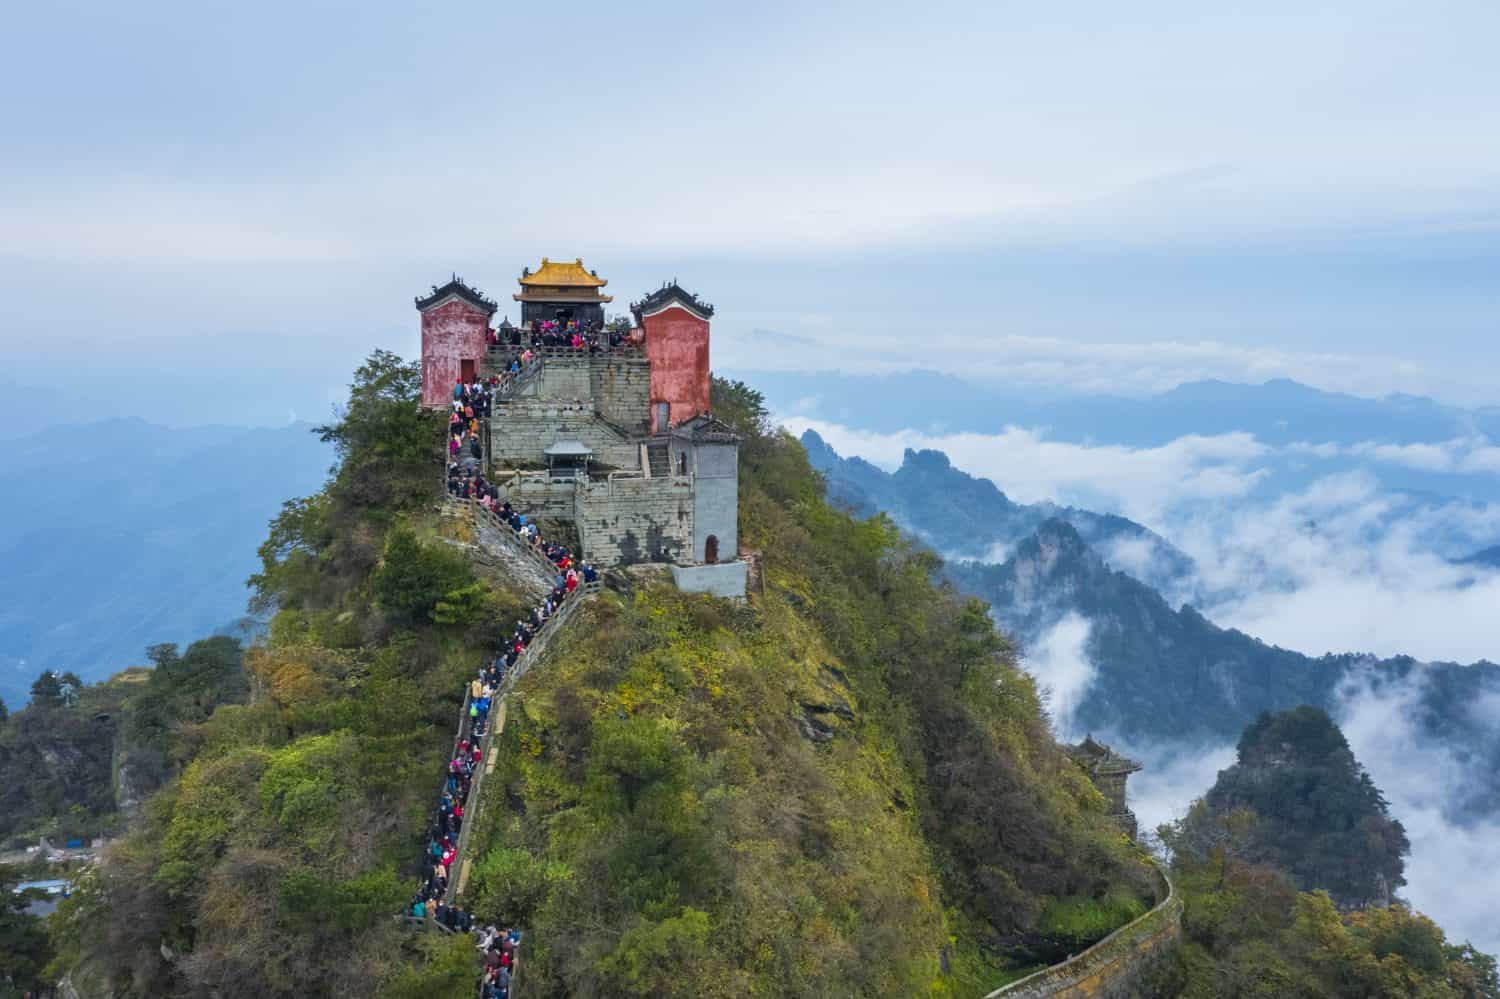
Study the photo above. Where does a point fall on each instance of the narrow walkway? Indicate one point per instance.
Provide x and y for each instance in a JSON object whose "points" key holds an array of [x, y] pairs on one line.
{"points": [[1109, 966], [447, 861]]}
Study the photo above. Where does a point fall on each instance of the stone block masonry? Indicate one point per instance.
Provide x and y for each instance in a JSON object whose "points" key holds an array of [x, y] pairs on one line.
{"points": [[621, 388], [522, 430], [618, 385], [625, 520]]}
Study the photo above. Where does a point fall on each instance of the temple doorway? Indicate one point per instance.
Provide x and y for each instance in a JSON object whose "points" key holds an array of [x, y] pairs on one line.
{"points": [[711, 549]]}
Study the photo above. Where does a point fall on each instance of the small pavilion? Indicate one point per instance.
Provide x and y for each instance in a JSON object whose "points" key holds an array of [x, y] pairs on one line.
{"points": [[562, 293], [568, 459], [1108, 770]]}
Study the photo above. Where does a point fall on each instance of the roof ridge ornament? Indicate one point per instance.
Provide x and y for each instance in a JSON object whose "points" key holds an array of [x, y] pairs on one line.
{"points": [[666, 293], [456, 287]]}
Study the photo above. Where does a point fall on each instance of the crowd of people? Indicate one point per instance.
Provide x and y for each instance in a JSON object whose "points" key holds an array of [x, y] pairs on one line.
{"points": [[499, 946], [591, 336], [471, 403]]}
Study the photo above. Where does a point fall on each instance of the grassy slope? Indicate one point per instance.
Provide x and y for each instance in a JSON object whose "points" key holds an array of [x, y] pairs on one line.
{"points": [[667, 826]]}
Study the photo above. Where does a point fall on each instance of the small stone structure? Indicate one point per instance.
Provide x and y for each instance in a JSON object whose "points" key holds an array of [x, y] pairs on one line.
{"points": [[1108, 770], [617, 439]]}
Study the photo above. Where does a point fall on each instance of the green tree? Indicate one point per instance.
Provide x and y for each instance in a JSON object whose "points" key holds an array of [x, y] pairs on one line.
{"points": [[184, 689], [463, 605], [24, 946], [414, 577], [387, 444], [47, 690], [1318, 815], [291, 570]]}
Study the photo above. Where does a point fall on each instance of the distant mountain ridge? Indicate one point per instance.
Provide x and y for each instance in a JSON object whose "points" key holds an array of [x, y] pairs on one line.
{"points": [[122, 533], [970, 517], [1161, 674], [1278, 411]]}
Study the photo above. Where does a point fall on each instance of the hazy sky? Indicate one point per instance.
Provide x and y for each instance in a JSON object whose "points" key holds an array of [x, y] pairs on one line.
{"points": [[1080, 196]]}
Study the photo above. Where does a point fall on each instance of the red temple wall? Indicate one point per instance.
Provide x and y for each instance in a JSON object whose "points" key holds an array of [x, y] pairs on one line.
{"points": [[677, 347], [451, 334]]}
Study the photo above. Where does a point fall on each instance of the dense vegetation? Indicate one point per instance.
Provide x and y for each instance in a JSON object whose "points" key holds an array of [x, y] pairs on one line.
{"points": [[1298, 800], [1277, 865], [77, 755], [24, 946], [844, 788], [274, 862]]}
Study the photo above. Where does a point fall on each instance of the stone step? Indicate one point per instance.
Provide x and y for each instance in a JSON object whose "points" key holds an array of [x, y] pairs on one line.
{"points": [[660, 459]]}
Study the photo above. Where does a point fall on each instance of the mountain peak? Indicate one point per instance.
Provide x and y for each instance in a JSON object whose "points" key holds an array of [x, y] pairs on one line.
{"points": [[1054, 545], [820, 454], [926, 460]]}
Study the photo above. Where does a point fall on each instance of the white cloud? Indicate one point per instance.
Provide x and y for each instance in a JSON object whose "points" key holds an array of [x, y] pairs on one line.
{"points": [[1173, 777], [1453, 874], [1339, 566], [1059, 661], [1022, 361], [1141, 483], [1343, 567]]}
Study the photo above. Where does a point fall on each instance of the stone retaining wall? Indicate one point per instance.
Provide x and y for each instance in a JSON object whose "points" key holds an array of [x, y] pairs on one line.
{"points": [[626, 520], [522, 430], [723, 579], [619, 384], [1108, 969], [621, 389]]}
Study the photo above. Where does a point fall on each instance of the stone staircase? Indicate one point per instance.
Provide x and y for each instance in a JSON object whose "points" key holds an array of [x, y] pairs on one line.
{"points": [[521, 380], [458, 878], [526, 566], [659, 459]]}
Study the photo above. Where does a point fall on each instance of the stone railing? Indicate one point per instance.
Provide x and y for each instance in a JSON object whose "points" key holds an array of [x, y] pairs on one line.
{"points": [[459, 877], [518, 380], [480, 514], [505, 351], [1108, 968]]}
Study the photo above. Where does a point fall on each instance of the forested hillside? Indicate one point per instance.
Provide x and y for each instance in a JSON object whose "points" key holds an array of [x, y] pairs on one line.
{"points": [[80, 758], [843, 787], [1287, 867]]}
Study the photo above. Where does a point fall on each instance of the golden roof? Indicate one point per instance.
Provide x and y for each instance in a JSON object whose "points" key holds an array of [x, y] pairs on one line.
{"points": [[563, 275], [562, 295]]}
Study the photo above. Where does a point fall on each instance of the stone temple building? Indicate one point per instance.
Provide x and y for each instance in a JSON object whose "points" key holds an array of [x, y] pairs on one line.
{"points": [[1108, 770], [617, 441]]}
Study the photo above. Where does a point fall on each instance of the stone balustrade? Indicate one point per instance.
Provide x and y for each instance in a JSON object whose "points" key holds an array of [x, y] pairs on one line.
{"points": [[1108, 969]]}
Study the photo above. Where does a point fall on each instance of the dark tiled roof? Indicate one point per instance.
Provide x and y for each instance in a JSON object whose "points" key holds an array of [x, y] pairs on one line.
{"points": [[1100, 759], [667, 293], [456, 287], [705, 428]]}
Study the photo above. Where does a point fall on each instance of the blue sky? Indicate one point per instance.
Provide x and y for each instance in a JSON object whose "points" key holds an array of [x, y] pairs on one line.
{"points": [[1070, 197]]}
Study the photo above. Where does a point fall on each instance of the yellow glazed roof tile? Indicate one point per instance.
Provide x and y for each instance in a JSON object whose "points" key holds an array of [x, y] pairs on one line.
{"points": [[553, 274]]}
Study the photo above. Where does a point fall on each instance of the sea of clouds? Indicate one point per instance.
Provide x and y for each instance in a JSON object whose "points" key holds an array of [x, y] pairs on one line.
{"points": [[1338, 564]]}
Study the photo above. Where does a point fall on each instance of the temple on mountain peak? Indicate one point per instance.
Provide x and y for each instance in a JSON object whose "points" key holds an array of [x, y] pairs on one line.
{"points": [[562, 293], [607, 429]]}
